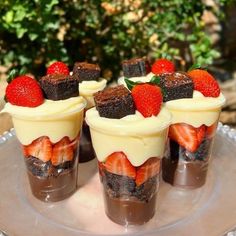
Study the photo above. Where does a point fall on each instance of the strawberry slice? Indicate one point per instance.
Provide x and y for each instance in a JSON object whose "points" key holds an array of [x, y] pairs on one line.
{"points": [[118, 163], [62, 151], [210, 131], [201, 131], [147, 170], [185, 135], [40, 148]]}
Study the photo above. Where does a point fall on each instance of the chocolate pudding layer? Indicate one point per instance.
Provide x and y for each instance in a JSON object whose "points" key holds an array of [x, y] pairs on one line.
{"points": [[127, 203], [53, 188], [130, 210], [51, 183], [186, 169], [86, 151], [184, 174]]}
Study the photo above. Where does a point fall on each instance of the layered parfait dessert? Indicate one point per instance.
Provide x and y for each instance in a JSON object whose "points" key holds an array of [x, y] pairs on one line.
{"points": [[47, 118], [129, 131], [195, 101], [90, 82]]}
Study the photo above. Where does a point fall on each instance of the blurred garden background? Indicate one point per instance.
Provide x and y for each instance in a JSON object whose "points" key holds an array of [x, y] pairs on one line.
{"points": [[34, 33]]}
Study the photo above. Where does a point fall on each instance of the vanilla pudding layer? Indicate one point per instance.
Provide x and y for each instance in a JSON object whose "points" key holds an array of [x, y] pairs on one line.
{"points": [[88, 88], [196, 111], [143, 79], [138, 137], [55, 119]]}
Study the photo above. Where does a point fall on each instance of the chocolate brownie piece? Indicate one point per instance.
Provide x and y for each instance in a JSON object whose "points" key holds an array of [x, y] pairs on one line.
{"points": [[119, 184], [135, 67], [46, 169], [59, 87], [115, 102], [145, 191], [84, 71], [176, 85], [38, 167]]}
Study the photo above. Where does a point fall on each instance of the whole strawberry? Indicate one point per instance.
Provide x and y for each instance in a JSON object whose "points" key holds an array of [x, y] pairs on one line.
{"points": [[162, 65], [205, 83], [147, 99], [58, 67], [24, 91]]}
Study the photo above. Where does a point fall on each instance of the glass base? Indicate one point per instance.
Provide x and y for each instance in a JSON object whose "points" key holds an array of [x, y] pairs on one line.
{"points": [[184, 174]]}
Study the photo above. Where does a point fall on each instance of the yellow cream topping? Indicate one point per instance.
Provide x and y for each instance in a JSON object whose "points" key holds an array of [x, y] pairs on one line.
{"points": [[54, 119], [88, 88], [138, 137], [196, 111]]}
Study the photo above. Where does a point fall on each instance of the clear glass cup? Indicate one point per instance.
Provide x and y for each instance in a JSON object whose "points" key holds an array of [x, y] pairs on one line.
{"points": [[190, 139], [86, 151], [87, 89], [129, 162], [50, 146]]}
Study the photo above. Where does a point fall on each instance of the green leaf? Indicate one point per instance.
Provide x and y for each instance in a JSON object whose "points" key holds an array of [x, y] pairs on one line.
{"points": [[20, 32], [15, 73], [51, 26], [22, 71], [9, 17], [20, 13], [33, 36], [50, 5], [12, 74], [130, 84], [155, 80], [197, 66]]}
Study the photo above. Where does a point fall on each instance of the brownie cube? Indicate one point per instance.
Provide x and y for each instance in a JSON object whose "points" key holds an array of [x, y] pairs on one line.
{"points": [[135, 67], [59, 87], [84, 71], [176, 85], [115, 102]]}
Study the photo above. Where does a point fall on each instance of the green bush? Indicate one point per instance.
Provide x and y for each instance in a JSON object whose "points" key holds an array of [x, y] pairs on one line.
{"points": [[34, 33]]}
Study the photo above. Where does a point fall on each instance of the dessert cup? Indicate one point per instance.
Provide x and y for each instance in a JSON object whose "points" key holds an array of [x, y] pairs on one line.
{"points": [[49, 135], [87, 89], [191, 135], [129, 152]]}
